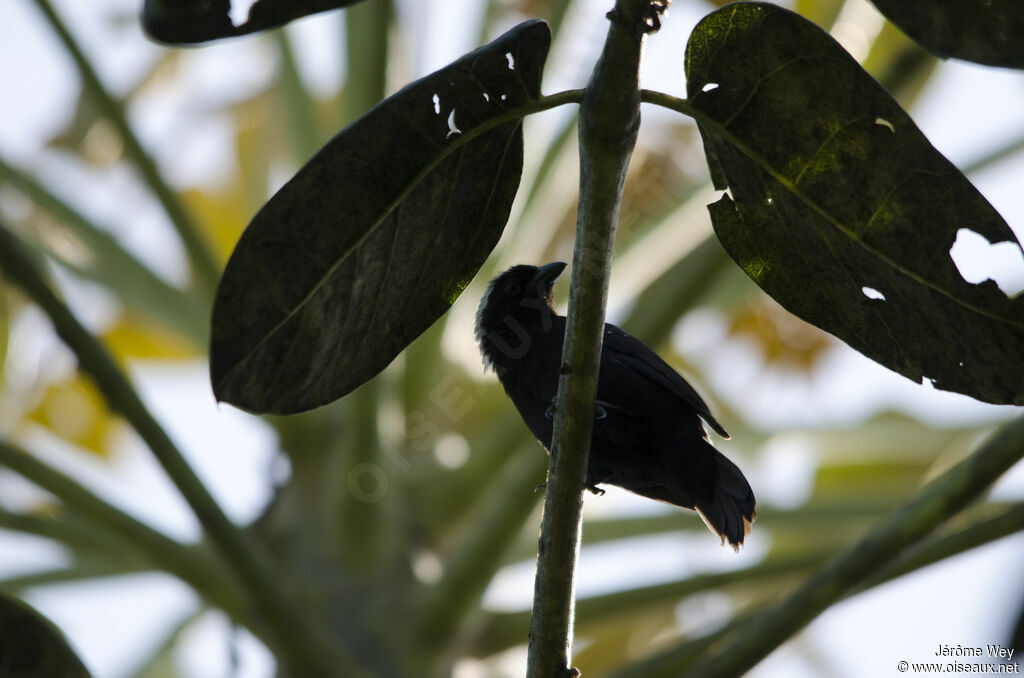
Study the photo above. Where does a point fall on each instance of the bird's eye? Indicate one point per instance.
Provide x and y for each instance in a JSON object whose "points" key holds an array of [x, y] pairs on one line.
{"points": [[512, 288]]}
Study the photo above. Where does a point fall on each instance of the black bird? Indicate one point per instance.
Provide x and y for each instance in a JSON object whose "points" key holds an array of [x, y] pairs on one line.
{"points": [[647, 438]]}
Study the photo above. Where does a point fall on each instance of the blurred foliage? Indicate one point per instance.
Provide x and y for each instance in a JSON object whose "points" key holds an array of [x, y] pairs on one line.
{"points": [[406, 499], [76, 412], [784, 339]]}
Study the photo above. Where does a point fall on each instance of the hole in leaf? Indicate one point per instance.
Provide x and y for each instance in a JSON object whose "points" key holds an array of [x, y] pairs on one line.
{"points": [[503, 97], [239, 11], [511, 61], [487, 97], [979, 260], [885, 123], [872, 293], [708, 87], [437, 104], [452, 129]]}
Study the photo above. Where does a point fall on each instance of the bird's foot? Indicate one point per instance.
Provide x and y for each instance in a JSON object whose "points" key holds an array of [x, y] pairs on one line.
{"points": [[596, 490], [542, 486], [550, 412]]}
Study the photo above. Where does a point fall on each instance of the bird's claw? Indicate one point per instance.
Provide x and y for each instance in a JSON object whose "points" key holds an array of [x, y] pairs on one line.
{"points": [[595, 490], [542, 486], [550, 412]]}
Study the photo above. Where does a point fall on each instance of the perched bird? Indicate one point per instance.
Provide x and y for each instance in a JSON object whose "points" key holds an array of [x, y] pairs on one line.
{"points": [[647, 431]]}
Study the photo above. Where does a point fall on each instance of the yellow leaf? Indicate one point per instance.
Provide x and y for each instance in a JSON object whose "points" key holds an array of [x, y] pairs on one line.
{"points": [[223, 215], [135, 337], [785, 340], [75, 411]]}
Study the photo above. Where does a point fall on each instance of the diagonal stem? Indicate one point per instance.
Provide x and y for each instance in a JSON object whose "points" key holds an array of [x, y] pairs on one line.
{"points": [[306, 648], [159, 549], [943, 498], [110, 264], [205, 266]]}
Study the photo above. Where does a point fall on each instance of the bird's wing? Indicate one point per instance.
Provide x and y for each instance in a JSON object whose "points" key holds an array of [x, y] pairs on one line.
{"points": [[631, 352]]}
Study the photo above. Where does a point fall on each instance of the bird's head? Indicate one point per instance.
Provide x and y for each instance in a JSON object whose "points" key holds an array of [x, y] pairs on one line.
{"points": [[521, 294]]}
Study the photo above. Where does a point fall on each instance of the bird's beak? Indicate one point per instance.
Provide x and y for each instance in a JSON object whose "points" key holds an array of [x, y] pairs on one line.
{"points": [[546, 275]]}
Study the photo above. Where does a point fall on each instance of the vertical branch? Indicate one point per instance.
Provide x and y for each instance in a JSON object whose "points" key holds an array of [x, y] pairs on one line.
{"points": [[366, 38], [609, 121], [297, 102], [360, 515]]}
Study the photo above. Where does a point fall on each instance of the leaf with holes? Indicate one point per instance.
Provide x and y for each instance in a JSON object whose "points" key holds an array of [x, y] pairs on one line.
{"points": [[840, 208], [377, 235], [989, 32], [182, 22]]}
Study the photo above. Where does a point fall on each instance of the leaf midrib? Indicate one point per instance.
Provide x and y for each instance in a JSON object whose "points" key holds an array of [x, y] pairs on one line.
{"points": [[542, 103]]}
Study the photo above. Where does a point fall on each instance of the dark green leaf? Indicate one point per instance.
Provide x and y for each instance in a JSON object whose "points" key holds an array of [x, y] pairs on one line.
{"points": [[377, 235], [838, 199], [989, 32], [190, 21], [32, 647]]}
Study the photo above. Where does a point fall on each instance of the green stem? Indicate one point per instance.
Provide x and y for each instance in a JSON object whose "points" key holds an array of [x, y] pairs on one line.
{"points": [[837, 518], [679, 658], [471, 563], [609, 122], [504, 630], [978, 533], [79, 572], [205, 266], [296, 101], [111, 265], [941, 499], [160, 551], [1008, 150], [81, 537], [163, 654], [305, 647], [366, 47], [366, 525], [359, 487]]}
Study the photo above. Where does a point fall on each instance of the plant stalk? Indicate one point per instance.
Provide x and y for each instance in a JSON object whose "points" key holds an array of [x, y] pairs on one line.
{"points": [[306, 648], [676, 660], [936, 503], [609, 122], [159, 550], [111, 265], [205, 267]]}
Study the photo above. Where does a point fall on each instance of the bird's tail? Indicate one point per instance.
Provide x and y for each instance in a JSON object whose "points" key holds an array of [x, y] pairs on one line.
{"points": [[730, 511]]}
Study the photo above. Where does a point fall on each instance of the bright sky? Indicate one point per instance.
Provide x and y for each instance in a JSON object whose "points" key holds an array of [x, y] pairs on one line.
{"points": [[967, 111]]}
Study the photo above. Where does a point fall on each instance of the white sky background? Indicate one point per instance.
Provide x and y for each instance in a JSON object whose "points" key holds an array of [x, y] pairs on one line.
{"points": [[966, 111]]}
